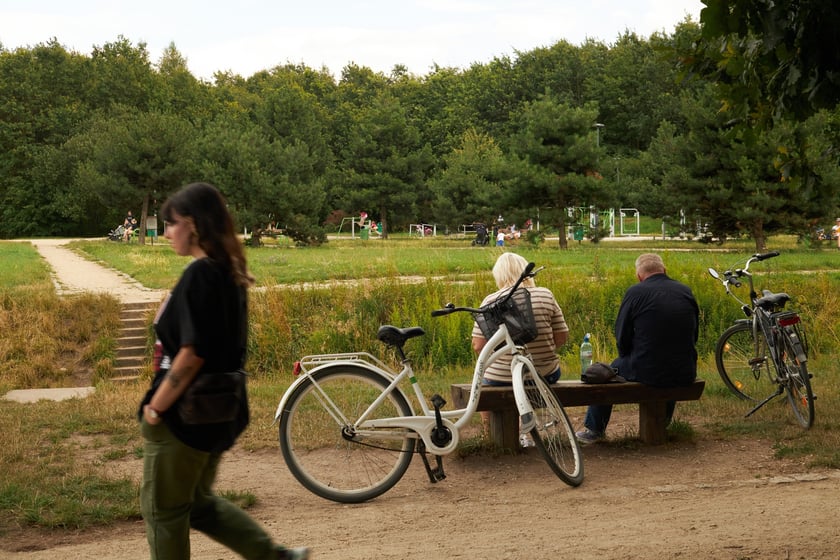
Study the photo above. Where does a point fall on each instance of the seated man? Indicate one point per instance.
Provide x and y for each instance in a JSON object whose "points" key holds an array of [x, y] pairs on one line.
{"points": [[656, 331]]}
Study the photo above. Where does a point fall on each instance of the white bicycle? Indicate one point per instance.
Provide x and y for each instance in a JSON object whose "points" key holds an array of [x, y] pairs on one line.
{"points": [[348, 432]]}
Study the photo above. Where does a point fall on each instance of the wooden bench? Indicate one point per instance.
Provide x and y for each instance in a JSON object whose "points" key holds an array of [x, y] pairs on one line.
{"points": [[504, 418]]}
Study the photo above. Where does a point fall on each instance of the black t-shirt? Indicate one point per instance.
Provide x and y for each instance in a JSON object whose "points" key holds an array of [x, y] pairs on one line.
{"points": [[207, 310]]}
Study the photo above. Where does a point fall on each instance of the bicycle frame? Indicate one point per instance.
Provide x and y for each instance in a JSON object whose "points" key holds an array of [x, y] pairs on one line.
{"points": [[758, 317], [424, 423]]}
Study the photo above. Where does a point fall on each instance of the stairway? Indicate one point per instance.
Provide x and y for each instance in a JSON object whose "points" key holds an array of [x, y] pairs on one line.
{"points": [[132, 355]]}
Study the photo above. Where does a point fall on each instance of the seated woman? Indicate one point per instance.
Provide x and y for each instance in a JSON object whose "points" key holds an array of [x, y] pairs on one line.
{"points": [[552, 330]]}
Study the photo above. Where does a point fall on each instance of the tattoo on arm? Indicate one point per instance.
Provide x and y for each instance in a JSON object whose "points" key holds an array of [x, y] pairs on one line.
{"points": [[174, 378]]}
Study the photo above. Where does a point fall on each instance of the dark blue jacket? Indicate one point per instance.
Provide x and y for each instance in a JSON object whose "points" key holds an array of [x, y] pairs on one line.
{"points": [[656, 333]]}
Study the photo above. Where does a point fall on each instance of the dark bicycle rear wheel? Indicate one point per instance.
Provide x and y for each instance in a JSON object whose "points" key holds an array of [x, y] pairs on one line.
{"points": [[796, 379], [743, 370]]}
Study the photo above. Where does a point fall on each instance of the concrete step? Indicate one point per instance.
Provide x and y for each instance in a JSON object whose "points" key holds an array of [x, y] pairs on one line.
{"points": [[131, 351], [133, 323], [132, 342], [130, 361], [125, 378], [139, 306]]}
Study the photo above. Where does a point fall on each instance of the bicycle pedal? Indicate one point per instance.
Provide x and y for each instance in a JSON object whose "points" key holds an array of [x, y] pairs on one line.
{"points": [[527, 423]]}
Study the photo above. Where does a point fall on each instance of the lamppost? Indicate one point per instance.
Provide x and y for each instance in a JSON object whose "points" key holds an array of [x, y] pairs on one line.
{"points": [[598, 126]]}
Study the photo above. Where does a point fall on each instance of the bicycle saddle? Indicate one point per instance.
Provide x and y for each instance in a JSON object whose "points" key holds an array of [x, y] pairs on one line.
{"points": [[393, 336], [771, 300]]}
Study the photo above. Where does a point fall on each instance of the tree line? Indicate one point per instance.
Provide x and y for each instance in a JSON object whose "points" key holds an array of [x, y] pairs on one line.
{"points": [[641, 123]]}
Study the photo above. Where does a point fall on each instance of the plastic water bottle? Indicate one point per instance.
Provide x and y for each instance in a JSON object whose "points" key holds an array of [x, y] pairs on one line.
{"points": [[585, 354]]}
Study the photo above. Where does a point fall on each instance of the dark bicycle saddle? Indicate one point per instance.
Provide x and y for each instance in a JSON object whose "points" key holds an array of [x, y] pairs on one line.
{"points": [[393, 336], [770, 301]]}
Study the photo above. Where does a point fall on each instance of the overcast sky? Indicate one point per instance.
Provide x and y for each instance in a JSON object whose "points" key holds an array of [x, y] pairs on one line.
{"points": [[246, 36]]}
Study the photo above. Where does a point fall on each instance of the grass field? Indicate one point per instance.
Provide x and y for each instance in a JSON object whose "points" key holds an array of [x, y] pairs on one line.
{"points": [[333, 298]]}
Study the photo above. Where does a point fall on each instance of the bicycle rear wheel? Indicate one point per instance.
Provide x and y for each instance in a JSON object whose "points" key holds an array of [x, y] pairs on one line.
{"points": [[743, 370], [553, 433], [320, 442], [796, 379]]}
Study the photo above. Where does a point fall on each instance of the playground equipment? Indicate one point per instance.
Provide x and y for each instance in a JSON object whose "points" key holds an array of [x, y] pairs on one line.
{"points": [[630, 221], [422, 230], [362, 225]]}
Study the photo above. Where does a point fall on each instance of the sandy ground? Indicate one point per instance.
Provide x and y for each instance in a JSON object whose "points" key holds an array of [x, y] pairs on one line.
{"points": [[704, 500]]}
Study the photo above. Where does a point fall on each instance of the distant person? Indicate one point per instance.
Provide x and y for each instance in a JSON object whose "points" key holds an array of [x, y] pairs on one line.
{"points": [[500, 238], [835, 232], [552, 331], [201, 329], [129, 225], [656, 332]]}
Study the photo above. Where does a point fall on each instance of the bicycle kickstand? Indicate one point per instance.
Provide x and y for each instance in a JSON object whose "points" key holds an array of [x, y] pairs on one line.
{"points": [[779, 391]]}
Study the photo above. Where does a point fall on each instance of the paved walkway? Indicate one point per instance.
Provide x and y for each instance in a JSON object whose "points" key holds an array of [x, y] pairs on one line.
{"points": [[73, 274]]}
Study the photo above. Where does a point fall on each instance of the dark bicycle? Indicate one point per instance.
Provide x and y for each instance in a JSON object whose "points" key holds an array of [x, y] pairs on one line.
{"points": [[766, 351]]}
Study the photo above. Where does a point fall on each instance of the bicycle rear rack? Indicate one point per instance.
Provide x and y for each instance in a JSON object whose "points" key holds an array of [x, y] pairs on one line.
{"points": [[307, 363]]}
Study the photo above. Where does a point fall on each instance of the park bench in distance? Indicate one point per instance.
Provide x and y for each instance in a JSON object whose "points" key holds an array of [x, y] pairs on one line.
{"points": [[504, 419]]}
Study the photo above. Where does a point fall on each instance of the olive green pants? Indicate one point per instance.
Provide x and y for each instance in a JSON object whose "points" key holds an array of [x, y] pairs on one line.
{"points": [[177, 494]]}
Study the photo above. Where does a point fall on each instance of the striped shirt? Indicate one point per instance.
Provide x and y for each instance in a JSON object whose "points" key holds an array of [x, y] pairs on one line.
{"points": [[549, 318]]}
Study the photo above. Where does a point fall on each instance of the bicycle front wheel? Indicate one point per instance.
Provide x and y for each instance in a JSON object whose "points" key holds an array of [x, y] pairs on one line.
{"points": [[796, 379], [553, 433], [324, 448], [743, 370]]}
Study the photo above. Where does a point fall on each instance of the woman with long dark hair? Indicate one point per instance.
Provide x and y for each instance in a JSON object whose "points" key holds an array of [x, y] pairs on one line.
{"points": [[201, 330]]}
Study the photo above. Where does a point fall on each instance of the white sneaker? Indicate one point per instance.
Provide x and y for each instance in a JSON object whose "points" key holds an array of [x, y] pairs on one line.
{"points": [[297, 553], [525, 440]]}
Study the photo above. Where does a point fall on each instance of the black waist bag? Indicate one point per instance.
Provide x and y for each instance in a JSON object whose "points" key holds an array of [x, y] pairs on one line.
{"points": [[213, 398]]}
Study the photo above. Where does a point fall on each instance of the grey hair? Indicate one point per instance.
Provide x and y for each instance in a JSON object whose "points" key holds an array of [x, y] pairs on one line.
{"points": [[649, 263]]}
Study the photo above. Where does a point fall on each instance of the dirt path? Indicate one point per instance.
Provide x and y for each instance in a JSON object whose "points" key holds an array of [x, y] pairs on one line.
{"points": [[710, 500], [705, 500]]}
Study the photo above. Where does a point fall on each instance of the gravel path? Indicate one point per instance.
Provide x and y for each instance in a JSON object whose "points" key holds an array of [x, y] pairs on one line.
{"points": [[74, 274]]}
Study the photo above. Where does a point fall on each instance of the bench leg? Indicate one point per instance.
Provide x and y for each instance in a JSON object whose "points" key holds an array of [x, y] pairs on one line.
{"points": [[504, 428], [652, 422]]}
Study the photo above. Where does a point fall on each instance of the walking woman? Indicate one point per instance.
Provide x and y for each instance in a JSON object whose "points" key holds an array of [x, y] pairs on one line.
{"points": [[201, 331]]}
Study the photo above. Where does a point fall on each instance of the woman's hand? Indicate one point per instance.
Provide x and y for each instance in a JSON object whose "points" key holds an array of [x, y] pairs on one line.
{"points": [[151, 416]]}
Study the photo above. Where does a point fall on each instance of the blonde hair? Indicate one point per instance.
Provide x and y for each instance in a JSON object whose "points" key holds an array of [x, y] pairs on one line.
{"points": [[508, 269], [649, 263]]}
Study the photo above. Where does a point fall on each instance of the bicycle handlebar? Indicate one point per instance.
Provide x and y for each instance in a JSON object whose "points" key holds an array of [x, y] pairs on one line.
{"points": [[765, 256], [450, 308], [529, 272], [731, 275]]}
